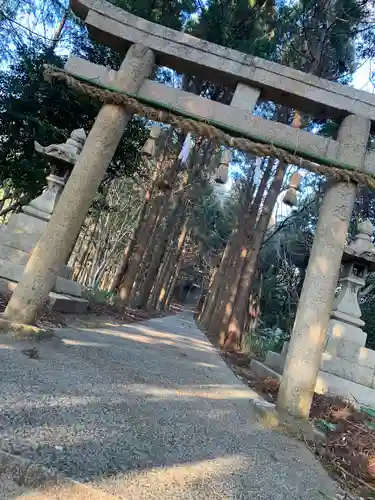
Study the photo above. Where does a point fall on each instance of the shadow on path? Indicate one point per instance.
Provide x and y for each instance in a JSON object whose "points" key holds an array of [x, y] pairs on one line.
{"points": [[148, 410]]}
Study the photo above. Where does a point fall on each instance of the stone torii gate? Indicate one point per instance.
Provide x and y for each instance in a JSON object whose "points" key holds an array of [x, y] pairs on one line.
{"points": [[345, 159]]}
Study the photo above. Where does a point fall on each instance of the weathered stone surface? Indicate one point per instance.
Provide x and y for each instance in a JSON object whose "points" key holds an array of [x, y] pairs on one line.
{"points": [[263, 371], [284, 350], [65, 153], [327, 383], [43, 206], [116, 28], [55, 244], [347, 319], [55, 302], [13, 255], [369, 163], [366, 357], [7, 287], [331, 384], [13, 272], [67, 286], [347, 369], [275, 361], [238, 119], [66, 304], [10, 271], [344, 331], [362, 242], [342, 348], [315, 305], [23, 241], [26, 223], [66, 272], [350, 351], [245, 97]]}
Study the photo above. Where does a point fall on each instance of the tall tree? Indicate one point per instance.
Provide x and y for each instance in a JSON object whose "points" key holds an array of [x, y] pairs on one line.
{"points": [[319, 38]]}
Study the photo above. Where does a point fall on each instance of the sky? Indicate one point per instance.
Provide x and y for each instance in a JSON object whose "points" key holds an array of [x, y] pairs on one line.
{"points": [[361, 80]]}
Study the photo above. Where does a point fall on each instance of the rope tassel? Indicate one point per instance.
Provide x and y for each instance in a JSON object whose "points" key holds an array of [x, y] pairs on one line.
{"points": [[149, 147], [290, 197], [221, 176], [202, 128]]}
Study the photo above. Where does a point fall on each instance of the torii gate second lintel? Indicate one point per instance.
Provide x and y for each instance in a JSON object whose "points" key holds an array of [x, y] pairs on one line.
{"points": [[116, 28], [234, 119], [119, 29]]}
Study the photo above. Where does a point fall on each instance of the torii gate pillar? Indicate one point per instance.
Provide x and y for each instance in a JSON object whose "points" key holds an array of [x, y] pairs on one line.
{"points": [[315, 304], [56, 242]]}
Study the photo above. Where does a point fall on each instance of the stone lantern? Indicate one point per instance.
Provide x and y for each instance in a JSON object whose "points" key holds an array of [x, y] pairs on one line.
{"points": [[358, 259], [20, 235], [347, 366], [61, 158]]}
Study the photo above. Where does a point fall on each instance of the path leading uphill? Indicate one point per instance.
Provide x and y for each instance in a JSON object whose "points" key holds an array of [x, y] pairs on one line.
{"points": [[146, 411]]}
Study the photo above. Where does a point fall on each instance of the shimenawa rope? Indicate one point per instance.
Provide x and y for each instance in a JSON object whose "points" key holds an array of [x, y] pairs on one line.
{"points": [[200, 128]]}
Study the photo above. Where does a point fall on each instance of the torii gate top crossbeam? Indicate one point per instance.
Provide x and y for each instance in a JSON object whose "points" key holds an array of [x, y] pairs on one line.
{"points": [[118, 29]]}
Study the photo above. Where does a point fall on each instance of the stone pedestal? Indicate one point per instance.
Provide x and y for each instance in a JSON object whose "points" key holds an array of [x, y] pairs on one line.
{"points": [[347, 367], [20, 235], [315, 305], [57, 241]]}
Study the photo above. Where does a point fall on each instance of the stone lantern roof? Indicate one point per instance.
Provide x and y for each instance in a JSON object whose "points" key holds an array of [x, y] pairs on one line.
{"points": [[361, 250], [66, 153]]}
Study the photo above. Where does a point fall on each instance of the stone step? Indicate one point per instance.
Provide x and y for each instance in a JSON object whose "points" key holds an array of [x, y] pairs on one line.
{"points": [[13, 272], [56, 301], [327, 383], [350, 351], [348, 370], [261, 371], [26, 224], [67, 304], [275, 361]]}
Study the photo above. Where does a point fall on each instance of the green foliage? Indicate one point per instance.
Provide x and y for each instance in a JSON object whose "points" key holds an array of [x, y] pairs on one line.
{"points": [[368, 316], [34, 110], [16, 35], [257, 344], [171, 13], [212, 222], [235, 24], [321, 37], [284, 259], [96, 296]]}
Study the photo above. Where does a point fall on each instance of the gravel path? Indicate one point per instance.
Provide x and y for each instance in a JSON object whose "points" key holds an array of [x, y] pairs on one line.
{"points": [[147, 411], [9, 489]]}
